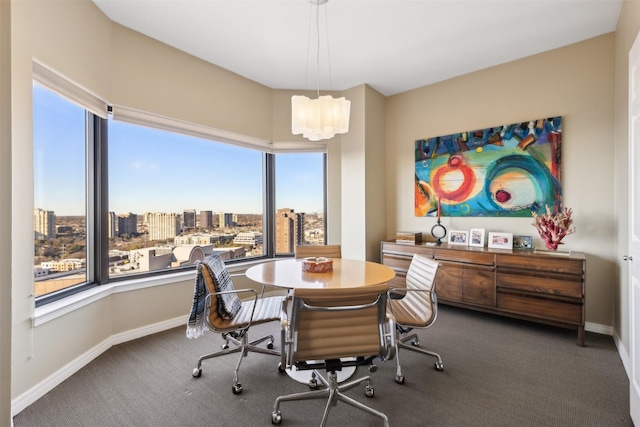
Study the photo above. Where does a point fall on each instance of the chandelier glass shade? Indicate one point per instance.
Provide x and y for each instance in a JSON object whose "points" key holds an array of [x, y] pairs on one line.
{"points": [[320, 118], [325, 116]]}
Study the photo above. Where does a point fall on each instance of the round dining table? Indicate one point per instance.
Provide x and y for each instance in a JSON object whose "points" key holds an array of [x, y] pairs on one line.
{"points": [[346, 273]]}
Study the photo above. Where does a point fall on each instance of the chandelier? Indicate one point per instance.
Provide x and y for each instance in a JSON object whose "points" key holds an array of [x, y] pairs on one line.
{"points": [[325, 116]]}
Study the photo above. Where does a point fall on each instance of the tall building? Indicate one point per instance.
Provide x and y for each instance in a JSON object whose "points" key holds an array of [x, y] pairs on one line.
{"points": [[163, 226], [289, 230], [127, 224], [206, 219], [44, 224], [189, 218], [113, 224], [225, 220]]}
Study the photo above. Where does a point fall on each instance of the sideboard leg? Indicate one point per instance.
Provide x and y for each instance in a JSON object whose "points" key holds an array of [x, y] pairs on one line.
{"points": [[581, 336]]}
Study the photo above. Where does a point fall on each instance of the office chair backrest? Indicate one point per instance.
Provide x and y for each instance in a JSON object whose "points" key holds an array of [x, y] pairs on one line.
{"points": [[421, 275], [335, 323], [217, 279], [327, 251]]}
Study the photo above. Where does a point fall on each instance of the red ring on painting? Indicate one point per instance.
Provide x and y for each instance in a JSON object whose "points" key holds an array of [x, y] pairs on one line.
{"points": [[463, 191]]}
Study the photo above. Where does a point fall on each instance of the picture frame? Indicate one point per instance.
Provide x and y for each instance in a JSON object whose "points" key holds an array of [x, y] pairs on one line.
{"points": [[458, 237], [523, 242], [476, 237], [500, 240]]}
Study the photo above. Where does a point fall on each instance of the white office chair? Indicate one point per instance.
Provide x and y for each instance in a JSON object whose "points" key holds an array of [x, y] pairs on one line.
{"points": [[332, 328], [417, 308], [217, 307]]}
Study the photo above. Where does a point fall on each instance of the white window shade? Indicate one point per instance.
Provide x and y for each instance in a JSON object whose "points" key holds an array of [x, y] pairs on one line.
{"points": [[69, 90], [142, 118]]}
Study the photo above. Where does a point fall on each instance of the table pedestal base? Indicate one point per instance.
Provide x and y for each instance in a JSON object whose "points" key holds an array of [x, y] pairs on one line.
{"points": [[304, 375]]}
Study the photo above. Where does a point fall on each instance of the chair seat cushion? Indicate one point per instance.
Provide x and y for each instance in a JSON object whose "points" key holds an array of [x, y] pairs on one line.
{"points": [[409, 311], [267, 310]]}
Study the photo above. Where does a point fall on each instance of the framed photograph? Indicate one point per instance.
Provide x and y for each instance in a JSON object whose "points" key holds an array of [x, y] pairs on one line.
{"points": [[476, 237], [458, 237], [500, 240], [522, 242]]}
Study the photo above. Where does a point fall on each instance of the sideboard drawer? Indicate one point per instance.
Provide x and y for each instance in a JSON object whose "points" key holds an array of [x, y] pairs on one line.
{"points": [[542, 308]]}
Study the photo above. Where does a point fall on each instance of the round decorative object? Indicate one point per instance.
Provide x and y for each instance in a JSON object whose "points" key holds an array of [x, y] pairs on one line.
{"points": [[317, 265], [438, 232]]}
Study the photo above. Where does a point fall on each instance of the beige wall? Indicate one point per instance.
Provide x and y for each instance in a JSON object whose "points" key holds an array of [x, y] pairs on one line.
{"points": [[575, 82], [626, 31]]}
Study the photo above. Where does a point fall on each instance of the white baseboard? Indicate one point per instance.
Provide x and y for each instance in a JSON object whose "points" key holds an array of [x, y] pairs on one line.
{"points": [[598, 328], [30, 396]]}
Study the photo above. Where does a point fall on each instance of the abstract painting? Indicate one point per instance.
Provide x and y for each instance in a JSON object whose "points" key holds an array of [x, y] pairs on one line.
{"points": [[502, 171]]}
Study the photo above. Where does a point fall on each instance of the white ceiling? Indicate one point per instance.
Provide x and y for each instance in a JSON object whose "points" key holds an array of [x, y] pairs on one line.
{"points": [[391, 45]]}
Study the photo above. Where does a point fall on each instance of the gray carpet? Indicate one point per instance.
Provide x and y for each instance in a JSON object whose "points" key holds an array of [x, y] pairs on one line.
{"points": [[498, 372]]}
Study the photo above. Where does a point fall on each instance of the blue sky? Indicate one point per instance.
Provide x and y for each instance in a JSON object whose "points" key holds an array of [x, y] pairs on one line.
{"points": [[157, 171]]}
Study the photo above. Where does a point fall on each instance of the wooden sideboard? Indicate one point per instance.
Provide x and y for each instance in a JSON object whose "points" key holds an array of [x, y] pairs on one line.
{"points": [[523, 284]]}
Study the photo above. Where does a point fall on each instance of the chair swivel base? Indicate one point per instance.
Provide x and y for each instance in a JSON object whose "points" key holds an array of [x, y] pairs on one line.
{"points": [[244, 347], [332, 391], [414, 346]]}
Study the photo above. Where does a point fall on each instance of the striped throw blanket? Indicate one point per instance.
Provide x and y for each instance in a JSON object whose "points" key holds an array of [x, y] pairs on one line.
{"points": [[228, 304]]}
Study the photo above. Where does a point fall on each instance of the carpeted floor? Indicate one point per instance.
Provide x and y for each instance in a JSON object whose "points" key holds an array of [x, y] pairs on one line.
{"points": [[497, 372]]}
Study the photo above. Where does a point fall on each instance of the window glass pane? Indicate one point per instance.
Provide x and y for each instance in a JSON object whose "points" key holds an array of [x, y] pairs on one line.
{"points": [[174, 199], [59, 215], [300, 198]]}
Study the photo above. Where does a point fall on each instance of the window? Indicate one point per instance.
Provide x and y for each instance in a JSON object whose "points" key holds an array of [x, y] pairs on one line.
{"points": [[300, 194], [160, 194], [60, 193], [175, 198]]}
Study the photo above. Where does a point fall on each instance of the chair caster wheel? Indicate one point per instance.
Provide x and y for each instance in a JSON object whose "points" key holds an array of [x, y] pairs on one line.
{"points": [[313, 384], [368, 391], [373, 368], [400, 379], [225, 346], [281, 368], [270, 345], [276, 418], [237, 388], [196, 372], [439, 366], [415, 343]]}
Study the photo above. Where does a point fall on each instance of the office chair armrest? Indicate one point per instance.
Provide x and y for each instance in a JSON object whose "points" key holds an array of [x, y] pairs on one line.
{"points": [[340, 307], [390, 336]]}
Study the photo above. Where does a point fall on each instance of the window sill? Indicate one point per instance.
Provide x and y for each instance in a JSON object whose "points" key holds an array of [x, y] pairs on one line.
{"points": [[64, 306], [53, 310]]}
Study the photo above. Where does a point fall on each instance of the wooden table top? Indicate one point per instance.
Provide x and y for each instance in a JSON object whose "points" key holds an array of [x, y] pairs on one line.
{"points": [[346, 274]]}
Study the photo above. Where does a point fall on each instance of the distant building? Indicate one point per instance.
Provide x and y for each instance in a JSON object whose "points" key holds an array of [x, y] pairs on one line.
{"points": [[201, 239], [127, 224], [163, 226], [44, 224], [150, 259], [189, 219], [206, 219], [69, 264], [225, 220], [248, 238], [113, 224], [289, 230]]}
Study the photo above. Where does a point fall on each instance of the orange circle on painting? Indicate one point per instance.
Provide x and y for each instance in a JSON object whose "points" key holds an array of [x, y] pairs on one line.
{"points": [[466, 186]]}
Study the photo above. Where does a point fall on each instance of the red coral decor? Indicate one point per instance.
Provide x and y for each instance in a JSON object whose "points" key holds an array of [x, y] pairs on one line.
{"points": [[553, 227]]}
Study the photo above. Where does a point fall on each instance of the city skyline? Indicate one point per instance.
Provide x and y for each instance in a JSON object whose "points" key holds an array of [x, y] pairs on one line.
{"points": [[157, 171]]}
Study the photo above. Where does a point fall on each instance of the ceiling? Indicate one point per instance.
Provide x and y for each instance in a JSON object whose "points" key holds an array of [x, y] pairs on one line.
{"points": [[391, 45]]}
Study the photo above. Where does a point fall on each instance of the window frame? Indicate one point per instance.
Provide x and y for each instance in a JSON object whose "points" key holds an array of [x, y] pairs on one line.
{"points": [[97, 179]]}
